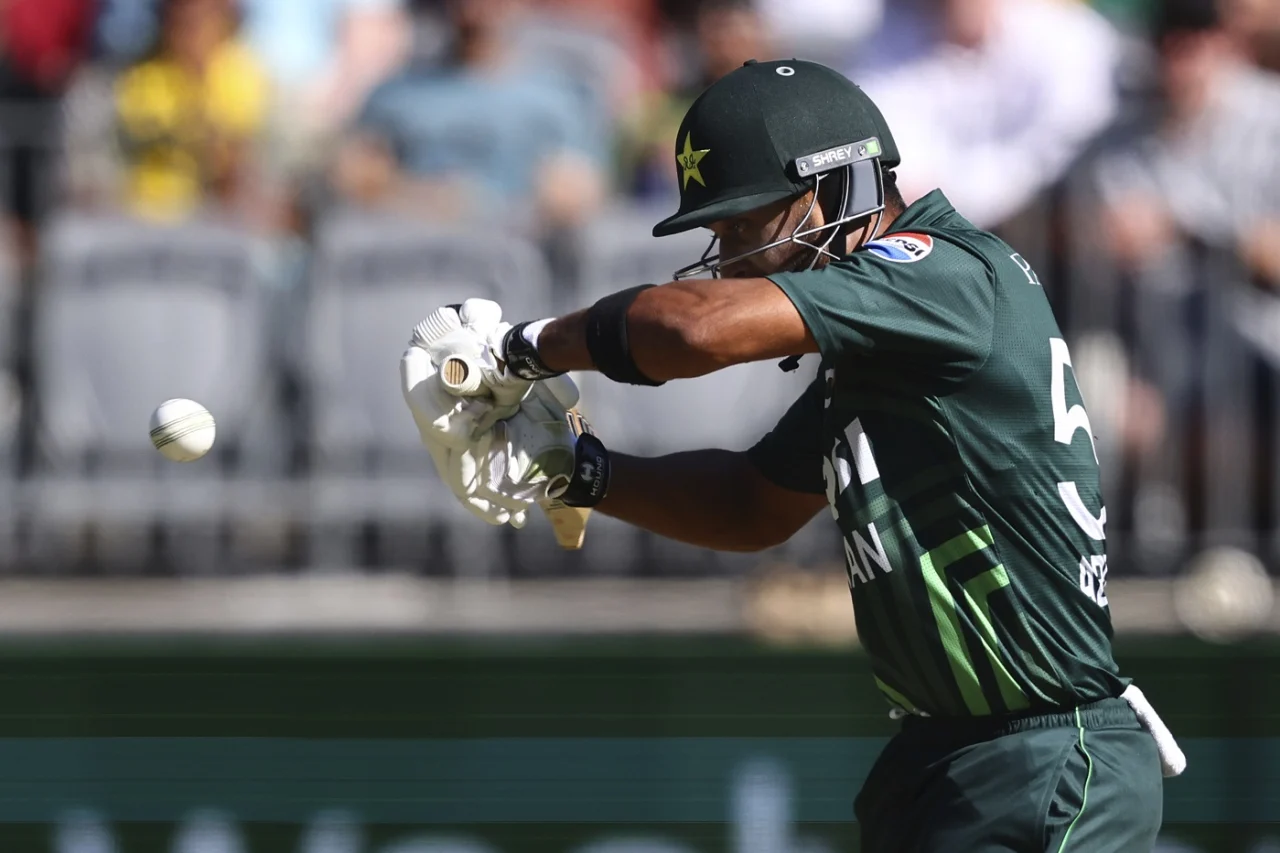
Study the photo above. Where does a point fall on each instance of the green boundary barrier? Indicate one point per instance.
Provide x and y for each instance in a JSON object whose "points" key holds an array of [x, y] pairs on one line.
{"points": [[508, 780], [548, 740], [408, 688]]}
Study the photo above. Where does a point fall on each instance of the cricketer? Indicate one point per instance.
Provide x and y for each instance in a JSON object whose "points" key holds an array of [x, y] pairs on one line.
{"points": [[944, 432]]}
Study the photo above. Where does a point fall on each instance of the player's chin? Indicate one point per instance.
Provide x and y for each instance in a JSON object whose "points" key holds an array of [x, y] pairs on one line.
{"points": [[741, 269], [802, 260], [756, 266]]}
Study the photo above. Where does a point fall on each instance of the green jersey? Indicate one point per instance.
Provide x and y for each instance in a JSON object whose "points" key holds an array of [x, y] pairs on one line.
{"points": [[947, 431]]}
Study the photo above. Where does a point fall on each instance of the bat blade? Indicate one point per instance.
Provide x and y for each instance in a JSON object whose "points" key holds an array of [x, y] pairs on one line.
{"points": [[569, 523], [461, 377]]}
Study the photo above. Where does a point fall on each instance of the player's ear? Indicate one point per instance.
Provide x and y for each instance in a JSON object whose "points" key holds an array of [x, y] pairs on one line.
{"points": [[893, 199]]}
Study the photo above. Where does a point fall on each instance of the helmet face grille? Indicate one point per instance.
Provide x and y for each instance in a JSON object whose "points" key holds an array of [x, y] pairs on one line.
{"points": [[861, 195]]}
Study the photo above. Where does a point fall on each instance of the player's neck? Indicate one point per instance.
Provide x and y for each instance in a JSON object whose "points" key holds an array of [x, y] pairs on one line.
{"points": [[891, 214], [881, 225]]}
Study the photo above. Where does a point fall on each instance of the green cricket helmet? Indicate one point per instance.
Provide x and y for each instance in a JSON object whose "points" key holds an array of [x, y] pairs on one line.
{"points": [[769, 131]]}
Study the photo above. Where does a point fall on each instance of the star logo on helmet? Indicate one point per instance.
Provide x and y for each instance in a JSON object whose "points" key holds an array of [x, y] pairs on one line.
{"points": [[689, 160]]}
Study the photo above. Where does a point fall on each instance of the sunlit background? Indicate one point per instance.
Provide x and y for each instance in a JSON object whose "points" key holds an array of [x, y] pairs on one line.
{"points": [[302, 643]]}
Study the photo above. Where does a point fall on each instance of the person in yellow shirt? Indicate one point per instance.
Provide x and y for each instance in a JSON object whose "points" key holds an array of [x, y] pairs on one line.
{"points": [[188, 116]]}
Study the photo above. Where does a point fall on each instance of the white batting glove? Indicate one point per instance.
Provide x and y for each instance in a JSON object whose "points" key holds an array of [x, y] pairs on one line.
{"points": [[485, 463], [467, 331], [446, 425], [511, 465]]}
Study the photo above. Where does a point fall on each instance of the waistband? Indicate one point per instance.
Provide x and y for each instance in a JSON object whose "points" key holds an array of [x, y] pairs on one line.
{"points": [[1105, 713]]}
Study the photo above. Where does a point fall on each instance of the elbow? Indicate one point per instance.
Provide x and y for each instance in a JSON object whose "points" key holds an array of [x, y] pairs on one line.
{"points": [[759, 546], [759, 536], [746, 544], [771, 538], [694, 337]]}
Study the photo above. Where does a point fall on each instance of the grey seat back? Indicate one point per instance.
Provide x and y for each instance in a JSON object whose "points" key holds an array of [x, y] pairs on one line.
{"points": [[731, 408], [129, 315], [10, 315], [618, 250], [374, 281]]}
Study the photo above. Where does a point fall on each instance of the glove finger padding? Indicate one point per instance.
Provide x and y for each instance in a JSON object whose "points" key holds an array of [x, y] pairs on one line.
{"points": [[474, 468], [527, 451], [482, 315], [466, 467], [471, 342], [449, 425], [446, 425], [498, 450], [439, 416]]}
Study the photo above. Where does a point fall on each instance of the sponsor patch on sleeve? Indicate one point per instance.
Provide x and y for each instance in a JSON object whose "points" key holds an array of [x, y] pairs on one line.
{"points": [[903, 248]]}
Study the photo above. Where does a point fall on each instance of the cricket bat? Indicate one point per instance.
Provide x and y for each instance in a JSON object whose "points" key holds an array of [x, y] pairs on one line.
{"points": [[569, 523]]}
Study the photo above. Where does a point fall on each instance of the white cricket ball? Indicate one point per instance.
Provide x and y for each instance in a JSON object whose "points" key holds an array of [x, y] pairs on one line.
{"points": [[183, 430]]}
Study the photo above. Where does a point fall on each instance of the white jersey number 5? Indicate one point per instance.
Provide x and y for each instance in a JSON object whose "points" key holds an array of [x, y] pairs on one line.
{"points": [[1066, 423]]}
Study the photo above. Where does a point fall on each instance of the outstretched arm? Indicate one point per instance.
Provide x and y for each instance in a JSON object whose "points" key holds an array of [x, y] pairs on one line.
{"points": [[691, 328], [710, 498]]}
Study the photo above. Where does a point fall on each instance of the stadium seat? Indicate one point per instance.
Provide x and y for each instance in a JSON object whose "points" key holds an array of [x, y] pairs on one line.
{"points": [[730, 409], [127, 315], [617, 249], [373, 280], [11, 403]]}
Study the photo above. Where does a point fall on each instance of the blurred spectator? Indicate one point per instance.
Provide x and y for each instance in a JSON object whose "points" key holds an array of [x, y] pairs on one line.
{"points": [[125, 30], [1132, 15], [1207, 166], [826, 31], [323, 57], [992, 100], [1191, 210], [727, 33], [1256, 23], [479, 136], [609, 50], [42, 42], [189, 116]]}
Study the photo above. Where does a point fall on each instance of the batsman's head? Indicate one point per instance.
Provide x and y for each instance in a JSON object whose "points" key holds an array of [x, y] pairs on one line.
{"points": [[782, 161]]}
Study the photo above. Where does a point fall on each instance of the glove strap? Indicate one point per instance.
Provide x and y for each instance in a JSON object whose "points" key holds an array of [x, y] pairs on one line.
{"points": [[522, 356], [589, 482]]}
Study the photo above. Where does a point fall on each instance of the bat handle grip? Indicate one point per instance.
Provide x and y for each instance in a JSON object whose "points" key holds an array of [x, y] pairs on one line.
{"points": [[461, 376]]}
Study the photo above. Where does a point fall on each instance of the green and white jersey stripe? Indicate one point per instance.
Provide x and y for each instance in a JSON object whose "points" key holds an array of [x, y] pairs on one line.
{"points": [[947, 431]]}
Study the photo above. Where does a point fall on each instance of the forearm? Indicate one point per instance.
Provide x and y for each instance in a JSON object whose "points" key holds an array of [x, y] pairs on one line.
{"points": [[690, 328], [659, 330], [700, 497]]}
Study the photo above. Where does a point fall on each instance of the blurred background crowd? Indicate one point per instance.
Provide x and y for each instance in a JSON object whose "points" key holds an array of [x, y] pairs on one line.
{"points": [[1127, 148]]}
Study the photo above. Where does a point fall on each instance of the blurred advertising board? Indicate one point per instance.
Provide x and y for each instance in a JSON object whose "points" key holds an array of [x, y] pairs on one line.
{"points": [[622, 745]]}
